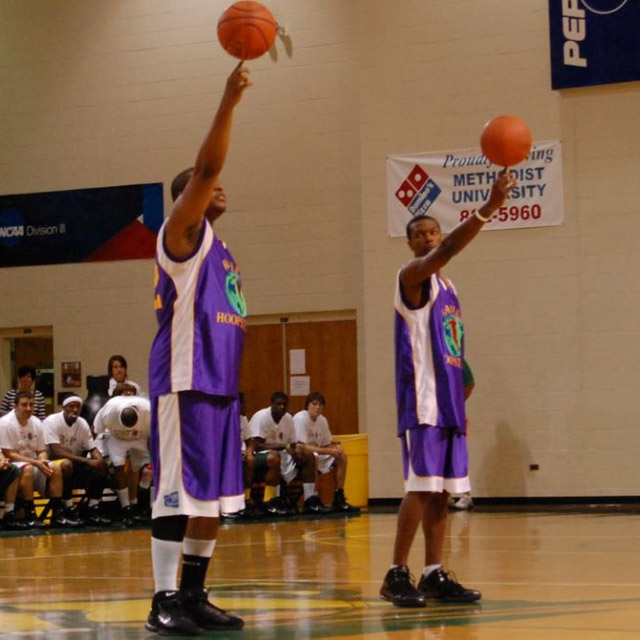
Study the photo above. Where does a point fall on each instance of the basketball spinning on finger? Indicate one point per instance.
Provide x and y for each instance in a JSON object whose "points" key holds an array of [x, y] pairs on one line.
{"points": [[506, 140], [247, 30]]}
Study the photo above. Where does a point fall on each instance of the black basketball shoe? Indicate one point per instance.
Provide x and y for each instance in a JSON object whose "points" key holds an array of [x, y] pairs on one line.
{"points": [[315, 505], [207, 615], [399, 589], [32, 520], [340, 504], [442, 586], [169, 617], [9, 522], [65, 519], [94, 518]]}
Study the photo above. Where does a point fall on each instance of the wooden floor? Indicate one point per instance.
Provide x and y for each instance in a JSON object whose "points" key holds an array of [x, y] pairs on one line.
{"points": [[542, 575]]}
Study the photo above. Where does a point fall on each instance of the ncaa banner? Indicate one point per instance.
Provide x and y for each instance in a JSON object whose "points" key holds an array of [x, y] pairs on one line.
{"points": [[451, 185], [594, 42], [82, 225]]}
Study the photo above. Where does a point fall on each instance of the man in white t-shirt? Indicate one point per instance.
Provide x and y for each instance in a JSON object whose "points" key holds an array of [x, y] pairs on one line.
{"points": [[124, 421], [22, 442], [68, 437], [313, 434], [272, 430]]}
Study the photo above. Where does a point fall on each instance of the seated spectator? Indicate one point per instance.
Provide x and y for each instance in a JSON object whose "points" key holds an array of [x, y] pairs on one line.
{"points": [[68, 437], [26, 382], [117, 372], [273, 432], [124, 421], [9, 484], [313, 434], [22, 442]]}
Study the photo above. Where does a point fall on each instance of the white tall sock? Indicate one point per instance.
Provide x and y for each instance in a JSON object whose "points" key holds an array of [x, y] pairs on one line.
{"points": [[430, 568], [309, 489], [195, 547], [165, 557], [123, 496]]}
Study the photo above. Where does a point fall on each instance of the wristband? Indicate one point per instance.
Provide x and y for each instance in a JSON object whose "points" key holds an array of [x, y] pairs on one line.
{"points": [[476, 213]]}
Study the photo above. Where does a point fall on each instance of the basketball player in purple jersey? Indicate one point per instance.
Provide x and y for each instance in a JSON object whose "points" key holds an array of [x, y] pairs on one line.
{"points": [[429, 344], [193, 383]]}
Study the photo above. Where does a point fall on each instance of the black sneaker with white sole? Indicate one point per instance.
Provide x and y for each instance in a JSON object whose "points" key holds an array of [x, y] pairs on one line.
{"points": [[168, 616], [207, 615], [442, 586], [399, 589]]}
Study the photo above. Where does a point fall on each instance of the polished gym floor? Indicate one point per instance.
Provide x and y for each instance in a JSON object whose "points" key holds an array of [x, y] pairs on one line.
{"points": [[543, 575]]}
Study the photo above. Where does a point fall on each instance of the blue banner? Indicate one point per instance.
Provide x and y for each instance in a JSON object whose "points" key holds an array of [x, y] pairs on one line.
{"points": [[82, 225], [594, 42]]}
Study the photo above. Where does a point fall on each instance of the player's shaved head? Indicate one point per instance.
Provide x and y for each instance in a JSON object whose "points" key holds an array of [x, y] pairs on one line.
{"points": [[417, 219], [129, 417], [180, 182]]}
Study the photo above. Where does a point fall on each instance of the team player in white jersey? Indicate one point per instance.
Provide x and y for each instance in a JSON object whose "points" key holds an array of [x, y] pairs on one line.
{"points": [[430, 401], [22, 442], [68, 437], [314, 435], [273, 438], [123, 426], [193, 385]]}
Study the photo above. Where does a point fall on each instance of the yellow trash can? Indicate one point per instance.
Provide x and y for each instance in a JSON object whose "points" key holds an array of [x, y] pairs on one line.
{"points": [[356, 486]]}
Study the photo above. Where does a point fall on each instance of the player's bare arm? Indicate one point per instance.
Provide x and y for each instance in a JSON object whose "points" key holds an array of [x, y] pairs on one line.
{"points": [[189, 210], [433, 252], [59, 451]]}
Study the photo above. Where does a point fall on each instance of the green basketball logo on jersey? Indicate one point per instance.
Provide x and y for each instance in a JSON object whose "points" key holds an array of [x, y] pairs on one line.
{"points": [[453, 332], [233, 289]]}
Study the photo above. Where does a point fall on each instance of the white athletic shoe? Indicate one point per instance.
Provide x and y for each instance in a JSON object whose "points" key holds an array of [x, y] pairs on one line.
{"points": [[463, 503]]}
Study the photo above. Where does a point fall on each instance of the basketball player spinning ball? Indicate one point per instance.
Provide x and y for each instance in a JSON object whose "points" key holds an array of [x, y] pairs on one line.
{"points": [[193, 381]]}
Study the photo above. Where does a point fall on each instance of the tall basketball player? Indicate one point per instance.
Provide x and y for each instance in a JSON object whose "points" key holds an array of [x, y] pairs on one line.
{"points": [[193, 382]]}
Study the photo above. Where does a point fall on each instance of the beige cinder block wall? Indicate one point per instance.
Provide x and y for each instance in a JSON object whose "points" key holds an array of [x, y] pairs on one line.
{"points": [[108, 93], [550, 313]]}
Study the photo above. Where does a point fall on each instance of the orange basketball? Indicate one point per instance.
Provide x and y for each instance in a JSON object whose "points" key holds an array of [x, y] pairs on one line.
{"points": [[246, 29], [506, 140]]}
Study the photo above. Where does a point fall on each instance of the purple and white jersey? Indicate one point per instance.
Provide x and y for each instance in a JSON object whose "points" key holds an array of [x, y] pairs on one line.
{"points": [[201, 316], [429, 344]]}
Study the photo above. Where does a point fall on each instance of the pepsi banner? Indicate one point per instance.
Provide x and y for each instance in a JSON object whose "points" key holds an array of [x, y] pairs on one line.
{"points": [[594, 42], [452, 185], [82, 225]]}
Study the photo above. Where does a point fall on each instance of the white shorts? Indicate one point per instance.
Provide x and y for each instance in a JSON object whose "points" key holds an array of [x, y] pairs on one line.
{"points": [[288, 468], [117, 451], [324, 462], [39, 479]]}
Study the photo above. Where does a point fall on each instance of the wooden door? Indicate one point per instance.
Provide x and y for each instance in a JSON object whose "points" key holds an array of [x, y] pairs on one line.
{"points": [[331, 364]]}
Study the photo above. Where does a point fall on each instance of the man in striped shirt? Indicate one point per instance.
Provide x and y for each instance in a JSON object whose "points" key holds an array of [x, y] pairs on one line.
{"points": [[26, 380]]}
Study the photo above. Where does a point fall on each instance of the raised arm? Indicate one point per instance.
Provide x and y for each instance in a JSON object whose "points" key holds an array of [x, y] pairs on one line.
{"points": [[417, 271], [189, 210]]}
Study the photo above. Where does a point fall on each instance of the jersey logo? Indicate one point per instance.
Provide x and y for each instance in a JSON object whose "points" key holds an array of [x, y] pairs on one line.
{"points": [[453, 333], [171, 500], [233, 289], [157, 303]]}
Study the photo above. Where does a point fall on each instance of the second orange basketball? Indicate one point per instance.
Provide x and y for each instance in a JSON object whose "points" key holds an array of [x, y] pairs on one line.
{"points": [[247, 29], [506, 140]]}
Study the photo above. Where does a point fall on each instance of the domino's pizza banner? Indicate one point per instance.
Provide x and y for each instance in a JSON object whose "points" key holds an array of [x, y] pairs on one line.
{"points": [[82, 225], [594, 42], [451, 185]]}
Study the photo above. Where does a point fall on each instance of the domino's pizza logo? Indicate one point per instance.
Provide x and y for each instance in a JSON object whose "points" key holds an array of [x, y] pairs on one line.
{"points": [[418, 192], [12, 227]]}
